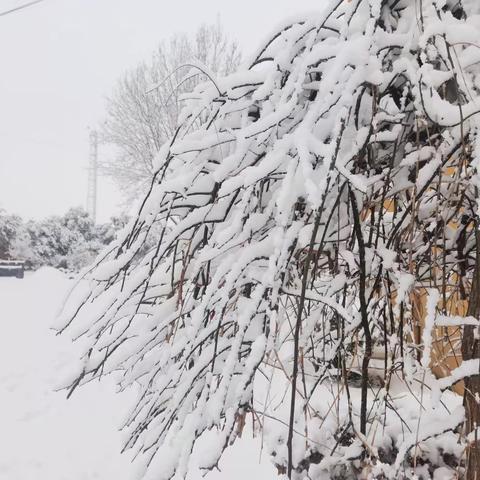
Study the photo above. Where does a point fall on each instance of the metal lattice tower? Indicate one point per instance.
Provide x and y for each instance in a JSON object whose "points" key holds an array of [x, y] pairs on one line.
{"points": [[92, 176]]}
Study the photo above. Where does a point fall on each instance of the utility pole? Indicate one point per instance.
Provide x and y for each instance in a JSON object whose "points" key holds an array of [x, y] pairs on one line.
{"points": [[92, 176]]}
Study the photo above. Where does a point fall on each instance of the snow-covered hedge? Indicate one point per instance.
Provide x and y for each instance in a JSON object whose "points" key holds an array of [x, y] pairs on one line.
{"points": [[69, 242]]}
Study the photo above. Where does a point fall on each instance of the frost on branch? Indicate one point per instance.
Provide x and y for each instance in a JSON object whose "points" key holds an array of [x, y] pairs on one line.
{"points": [[305, 209]]}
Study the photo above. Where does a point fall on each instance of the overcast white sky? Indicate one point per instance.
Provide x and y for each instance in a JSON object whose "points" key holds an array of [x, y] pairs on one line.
{"points": [[58, 61]]}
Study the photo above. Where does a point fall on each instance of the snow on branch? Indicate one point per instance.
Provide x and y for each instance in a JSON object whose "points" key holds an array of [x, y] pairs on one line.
{"points": [[268, 264], [466, 369]]}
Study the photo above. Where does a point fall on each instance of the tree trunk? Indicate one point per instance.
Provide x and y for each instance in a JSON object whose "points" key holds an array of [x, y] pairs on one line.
{"points": [[471, 350]]}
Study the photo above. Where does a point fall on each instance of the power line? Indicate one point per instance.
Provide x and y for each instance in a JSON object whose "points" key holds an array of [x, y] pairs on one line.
{"points": [[20, 7]]}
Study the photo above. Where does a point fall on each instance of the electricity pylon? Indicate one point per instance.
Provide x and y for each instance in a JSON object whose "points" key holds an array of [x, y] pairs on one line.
{"points": [[92, 176]]}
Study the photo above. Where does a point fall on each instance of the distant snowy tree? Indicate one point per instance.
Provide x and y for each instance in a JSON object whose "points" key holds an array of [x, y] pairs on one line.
{"points": [[12, 235], [318, 258], [90, 239], [142, 113], [71, 241], [52, 239]]}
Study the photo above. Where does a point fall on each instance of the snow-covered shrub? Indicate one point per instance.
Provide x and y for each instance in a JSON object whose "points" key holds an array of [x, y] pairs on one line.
{"points": [[12, 236], [69, 242], [309, 207], [50, 242]]}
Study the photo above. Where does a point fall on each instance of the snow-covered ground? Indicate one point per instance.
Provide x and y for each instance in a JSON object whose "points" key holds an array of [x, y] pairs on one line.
{"points": [[43, 436]]}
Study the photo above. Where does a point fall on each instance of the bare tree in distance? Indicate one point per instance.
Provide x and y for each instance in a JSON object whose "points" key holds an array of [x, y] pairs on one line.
{"points": [[143, 110]]}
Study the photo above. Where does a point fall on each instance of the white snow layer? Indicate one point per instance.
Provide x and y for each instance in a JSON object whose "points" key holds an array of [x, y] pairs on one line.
{"points": [[44, 436]]}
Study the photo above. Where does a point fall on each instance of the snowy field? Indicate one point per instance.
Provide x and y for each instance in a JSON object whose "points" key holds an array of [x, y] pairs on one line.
{"points": [[44, 436]]}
